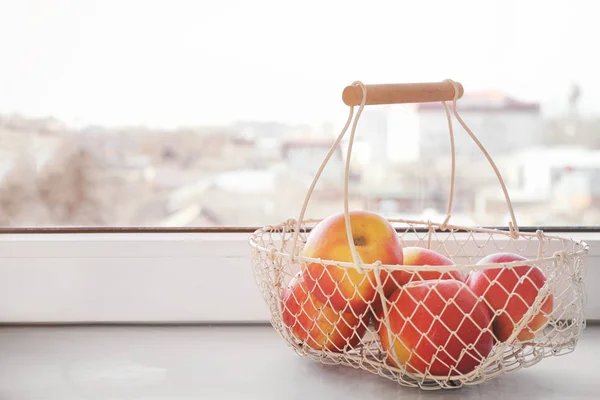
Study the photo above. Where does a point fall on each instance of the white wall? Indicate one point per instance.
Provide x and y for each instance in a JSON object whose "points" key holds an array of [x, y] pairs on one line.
{"points": [[403, 137], [386, 133], [499, 132]]}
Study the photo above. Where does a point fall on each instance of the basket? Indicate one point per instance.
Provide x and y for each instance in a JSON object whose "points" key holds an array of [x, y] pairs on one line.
{"points": [[426, 304]]}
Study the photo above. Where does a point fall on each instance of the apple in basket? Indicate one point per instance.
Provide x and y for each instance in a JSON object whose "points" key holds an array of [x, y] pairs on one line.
{"points": [[418, 256], [422, 256], [510, 293], [318, 325], [437, 327], [348, 288]]}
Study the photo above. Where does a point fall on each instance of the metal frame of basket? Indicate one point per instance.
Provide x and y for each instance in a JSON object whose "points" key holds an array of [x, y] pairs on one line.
{"points": [[429, 325]]}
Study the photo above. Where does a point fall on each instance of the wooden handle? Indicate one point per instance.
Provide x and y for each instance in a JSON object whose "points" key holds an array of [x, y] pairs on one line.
{"points": [[396, 93]]}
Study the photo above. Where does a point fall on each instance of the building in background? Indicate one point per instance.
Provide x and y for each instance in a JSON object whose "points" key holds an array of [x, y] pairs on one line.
{"points": [[500, 122], [545, 184], [303, 155]]}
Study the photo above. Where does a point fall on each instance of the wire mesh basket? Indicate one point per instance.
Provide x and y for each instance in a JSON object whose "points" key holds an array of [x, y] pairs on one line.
{"points": [[426, 304]]}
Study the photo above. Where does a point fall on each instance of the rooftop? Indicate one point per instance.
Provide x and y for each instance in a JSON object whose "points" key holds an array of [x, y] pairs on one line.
{"points": [[485, 101]]}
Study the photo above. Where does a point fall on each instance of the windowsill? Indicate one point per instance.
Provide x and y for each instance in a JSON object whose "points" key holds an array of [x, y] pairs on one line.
{"points": [[200, 362], [153, 277]]}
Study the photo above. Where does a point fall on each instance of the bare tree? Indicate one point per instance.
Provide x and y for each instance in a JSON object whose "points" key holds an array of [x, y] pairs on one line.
{"points": [[67, 186], [18, 196]]}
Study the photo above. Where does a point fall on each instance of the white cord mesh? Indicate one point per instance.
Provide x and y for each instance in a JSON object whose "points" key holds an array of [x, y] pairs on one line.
{"points": [[435, 306], [444, 335]]}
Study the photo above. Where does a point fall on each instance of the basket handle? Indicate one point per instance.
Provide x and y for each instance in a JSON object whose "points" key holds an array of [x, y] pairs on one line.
{"points": [[399, 93], [361, 95], [355, 256], [512, 224]]}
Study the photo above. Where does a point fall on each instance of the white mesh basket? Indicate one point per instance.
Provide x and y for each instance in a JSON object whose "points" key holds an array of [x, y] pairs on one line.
{"points": [[427, 304]]}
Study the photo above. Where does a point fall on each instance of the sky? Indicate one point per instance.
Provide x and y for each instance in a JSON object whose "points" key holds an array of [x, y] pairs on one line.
{"points": [[170, 63]]}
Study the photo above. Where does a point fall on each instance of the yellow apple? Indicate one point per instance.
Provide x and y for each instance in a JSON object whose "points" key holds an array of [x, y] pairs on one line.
{"points": [[348, 288]]}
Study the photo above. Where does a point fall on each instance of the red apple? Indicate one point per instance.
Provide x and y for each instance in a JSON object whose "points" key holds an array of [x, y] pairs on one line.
{"points": [[348, 288], [317, 325], [511, 292], [418, 256], [422, 256], [437, 327]]}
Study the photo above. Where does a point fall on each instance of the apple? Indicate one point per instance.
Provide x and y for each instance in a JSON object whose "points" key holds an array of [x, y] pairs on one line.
{"points": [[318, 325], [511, 292], [418, 256], [422, 256], [437, 327], [348, 288]]}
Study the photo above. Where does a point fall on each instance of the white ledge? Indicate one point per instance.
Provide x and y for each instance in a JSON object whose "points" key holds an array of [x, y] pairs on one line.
{"points": [[152, 277]]}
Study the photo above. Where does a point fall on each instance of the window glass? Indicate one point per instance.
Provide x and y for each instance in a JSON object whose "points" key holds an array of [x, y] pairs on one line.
{"points": [[218, 113]]}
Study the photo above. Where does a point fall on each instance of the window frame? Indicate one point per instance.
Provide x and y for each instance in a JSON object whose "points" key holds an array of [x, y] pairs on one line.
{"points": [[115, 275]]}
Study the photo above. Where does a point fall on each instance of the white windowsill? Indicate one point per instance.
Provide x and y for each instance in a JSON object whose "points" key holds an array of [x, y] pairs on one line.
{"points": [[152, 277], [145, 363]]}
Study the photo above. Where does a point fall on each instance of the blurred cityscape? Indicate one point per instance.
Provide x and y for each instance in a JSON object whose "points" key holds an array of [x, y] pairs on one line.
{"points": [[252, 173]]}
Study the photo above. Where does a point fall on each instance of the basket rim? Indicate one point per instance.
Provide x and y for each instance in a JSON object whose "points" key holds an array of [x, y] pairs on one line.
{"points": [[290, 224]]}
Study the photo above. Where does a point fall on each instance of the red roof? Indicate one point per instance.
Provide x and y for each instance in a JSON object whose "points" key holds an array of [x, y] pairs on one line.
{"points": [[484, 101]]}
